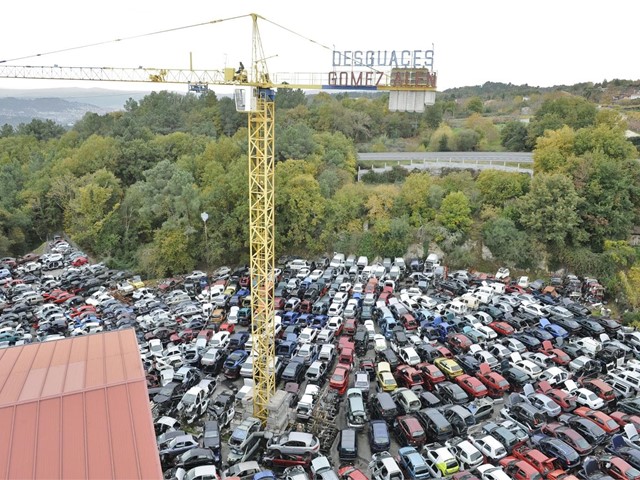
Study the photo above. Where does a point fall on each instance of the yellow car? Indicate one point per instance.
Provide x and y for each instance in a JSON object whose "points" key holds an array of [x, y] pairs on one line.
{"points": [[449, 367], [136, 282], [385, 378]]}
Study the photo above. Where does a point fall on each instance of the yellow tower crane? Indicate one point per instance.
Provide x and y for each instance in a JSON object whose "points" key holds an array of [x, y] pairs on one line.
{"points": [[411, 87]]}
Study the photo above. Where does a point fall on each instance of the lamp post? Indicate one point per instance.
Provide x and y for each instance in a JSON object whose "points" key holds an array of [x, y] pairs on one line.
{"points": [[205, 216]]}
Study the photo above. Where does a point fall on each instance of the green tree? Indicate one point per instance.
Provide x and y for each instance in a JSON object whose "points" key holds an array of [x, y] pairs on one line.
{"points": [[41, 129], [475, 105], [508, 244], [550, 209], [433, 114], [553, 150], [294, 142], [442, 139], [169, 254], [455, 213], [466, 140], [498, 187], [513, 137], [290, 98]]}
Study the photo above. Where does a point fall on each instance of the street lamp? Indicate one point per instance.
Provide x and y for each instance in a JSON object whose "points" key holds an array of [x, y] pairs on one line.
{"points": [[205, 216]]}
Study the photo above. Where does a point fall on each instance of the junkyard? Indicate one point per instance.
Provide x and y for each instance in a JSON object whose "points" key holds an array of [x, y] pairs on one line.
{"points": [[386, 369]]}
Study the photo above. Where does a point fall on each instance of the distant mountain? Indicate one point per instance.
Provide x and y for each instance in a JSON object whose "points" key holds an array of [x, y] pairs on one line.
{"points": [[62, 105]]}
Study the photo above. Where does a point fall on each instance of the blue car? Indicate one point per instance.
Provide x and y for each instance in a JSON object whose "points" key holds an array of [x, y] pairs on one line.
{"points": [[552, 447], [379, 439], [413, 463], [232, 364], [554, 329]]}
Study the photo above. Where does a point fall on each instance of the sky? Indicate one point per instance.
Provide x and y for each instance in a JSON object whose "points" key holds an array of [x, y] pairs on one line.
{"points": [[541, 43]]}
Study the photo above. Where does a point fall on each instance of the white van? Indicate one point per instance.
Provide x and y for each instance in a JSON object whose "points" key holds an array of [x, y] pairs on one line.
{"points": [[337, 260], [362, 262], [457, 307]]}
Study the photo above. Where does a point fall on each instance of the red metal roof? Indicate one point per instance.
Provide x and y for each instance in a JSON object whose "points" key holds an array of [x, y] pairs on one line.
{"points": [[76, 408]]}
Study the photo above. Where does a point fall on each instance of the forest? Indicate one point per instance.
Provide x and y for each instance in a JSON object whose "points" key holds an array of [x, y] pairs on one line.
{"points": [[129, 187]]}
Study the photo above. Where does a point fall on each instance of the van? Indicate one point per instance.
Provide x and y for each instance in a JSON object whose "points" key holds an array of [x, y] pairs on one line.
{"points": [[621, 389], [362, 262], [337, 260], [435, 424], [348, 445], [384, 407], [457, 307]]}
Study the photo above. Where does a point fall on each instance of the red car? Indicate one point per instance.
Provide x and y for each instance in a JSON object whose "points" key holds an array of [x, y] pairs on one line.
{"points": [[535, 457], [346, 357], [557, 356], [227, 327], [340, 379], [502, 328], [77, 311], [431, 375], [53, 294], [465, 475], [618, 468], [569, 436], [459, 342], [306, 306], [409, 322], [496, 384], [79, 261], [599, 387], [279, 303], [601, 419], [624, 418], [409, 377], [474, 387], [63, 297], [185, 336], [566, 401], [444, 351], [345, 342], [409, 431], [519, 469], [351, 473], [349, 327]]}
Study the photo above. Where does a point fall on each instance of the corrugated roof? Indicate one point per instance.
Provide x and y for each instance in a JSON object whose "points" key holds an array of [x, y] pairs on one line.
{"points": [[76, 408]]}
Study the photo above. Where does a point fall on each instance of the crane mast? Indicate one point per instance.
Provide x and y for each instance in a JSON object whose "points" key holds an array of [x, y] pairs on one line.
{"points": [[410, 90]]}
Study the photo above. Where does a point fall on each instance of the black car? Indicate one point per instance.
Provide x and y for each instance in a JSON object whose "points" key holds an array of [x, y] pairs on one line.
{"points": [[569, 324], [389, 356], [468, 363], [211, 439], [517, 378], [293, 372], [575, 308], [610, 325], [430, 399], [495, 313], [168, 395], [585, 427], [222, 407], [540, 334], [195, 458], [452, 393], [590, 327], [502, 434], [379, 439], [565, 455]]}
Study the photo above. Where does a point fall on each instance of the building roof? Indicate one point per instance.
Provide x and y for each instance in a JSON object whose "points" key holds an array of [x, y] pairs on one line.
{"points": [[76, 408]]}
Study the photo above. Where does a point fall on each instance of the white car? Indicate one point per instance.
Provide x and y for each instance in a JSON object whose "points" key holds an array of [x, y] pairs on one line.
{"points": [[326, 335], [409, 356], [220, 340], [587, 398], [316, 274], [490, 472], [370, 326], [335, 323], [491, 448], [379, 343]]}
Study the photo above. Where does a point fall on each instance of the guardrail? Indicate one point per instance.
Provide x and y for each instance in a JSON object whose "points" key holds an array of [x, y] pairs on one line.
{"points": [[519, 163]]}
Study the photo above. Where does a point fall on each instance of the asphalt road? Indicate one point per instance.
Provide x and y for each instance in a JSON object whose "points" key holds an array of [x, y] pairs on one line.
{"points": [[467, 157]]}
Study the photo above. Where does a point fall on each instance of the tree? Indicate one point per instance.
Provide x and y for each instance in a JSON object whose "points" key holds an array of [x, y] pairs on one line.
{"points": [[550, 209], [559, 110], [169, 254], [294, 142], [41, 129], [498, 187], [289, 98], [466, 140], [513, 137], [508, 244], [414, 198], [432, 116], [475, 105], [442, 139], [455, 213], [553, 151]]}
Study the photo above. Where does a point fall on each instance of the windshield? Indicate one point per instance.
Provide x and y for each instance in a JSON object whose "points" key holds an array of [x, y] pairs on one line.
{"points": [[188, 398], [475, 457]]}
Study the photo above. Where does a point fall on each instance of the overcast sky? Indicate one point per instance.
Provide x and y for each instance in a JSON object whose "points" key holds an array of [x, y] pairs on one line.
{"points": [[542, 43]]}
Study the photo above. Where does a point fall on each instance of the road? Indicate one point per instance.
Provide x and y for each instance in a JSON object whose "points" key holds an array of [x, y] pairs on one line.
{"points": [[519, 162]]}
